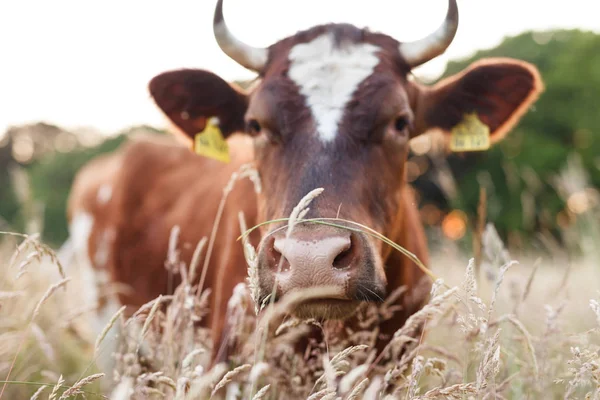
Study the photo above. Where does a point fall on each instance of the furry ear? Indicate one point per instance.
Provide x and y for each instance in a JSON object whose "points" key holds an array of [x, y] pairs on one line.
{"points": [[499, 90], [189, 97]]}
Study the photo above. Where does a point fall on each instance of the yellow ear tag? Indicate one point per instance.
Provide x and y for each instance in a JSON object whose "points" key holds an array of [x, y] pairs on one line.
{"points": [[210, 142], [470, 135]]}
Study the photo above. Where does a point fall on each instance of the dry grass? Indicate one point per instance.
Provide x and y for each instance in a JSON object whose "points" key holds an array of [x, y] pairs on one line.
{"points": [[527, 329], [504, 336]]}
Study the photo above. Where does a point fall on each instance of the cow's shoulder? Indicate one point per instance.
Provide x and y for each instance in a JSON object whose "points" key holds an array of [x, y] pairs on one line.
{"points": [[165, 168], [163, 184], [93, 185]]}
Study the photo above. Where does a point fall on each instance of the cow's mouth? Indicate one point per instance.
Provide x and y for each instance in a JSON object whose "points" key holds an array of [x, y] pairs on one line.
{"points": [[326, 308]]}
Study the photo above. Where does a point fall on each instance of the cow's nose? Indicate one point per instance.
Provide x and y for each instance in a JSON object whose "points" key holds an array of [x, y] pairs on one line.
{"points": [[308, 261], [328, 252]]}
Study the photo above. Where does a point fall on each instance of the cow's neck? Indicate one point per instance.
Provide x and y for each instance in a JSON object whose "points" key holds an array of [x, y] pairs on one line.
{"points": [[409, 234]]}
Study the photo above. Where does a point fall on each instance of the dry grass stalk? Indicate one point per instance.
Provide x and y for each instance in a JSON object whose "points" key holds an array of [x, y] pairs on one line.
{"points": [[262, 392], [37, 393], [76, 388], [527, 289], [595, 306], [56, 388], [40, 249], [29, 239], [149, 305], [43, 342], [301, 209], [349, 380], [150, 318], [252, 262], [415, 321], [11, 295], [358, 389], [196, 258], [529, 342], [230, 376], [245, 171], [108, 327], [490, 363], [478, 234], [47, 295], [167, 381], [187, 361], [322, 394], [457, 391]]}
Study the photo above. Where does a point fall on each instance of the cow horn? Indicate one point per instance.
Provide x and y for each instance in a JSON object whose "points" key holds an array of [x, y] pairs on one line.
{"points": [[253, 58], [423, 50]]}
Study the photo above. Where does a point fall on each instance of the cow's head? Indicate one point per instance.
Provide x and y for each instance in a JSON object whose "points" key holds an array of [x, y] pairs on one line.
{"points": [[334, 107]]}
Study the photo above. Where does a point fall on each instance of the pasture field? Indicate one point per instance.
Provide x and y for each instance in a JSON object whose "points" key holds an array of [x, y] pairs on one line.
{"points": [[513, 325], [507, 330]]}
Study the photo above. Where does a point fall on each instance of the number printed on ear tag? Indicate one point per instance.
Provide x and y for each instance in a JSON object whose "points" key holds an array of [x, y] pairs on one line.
{"points": [[211, 143], [470, 135]]}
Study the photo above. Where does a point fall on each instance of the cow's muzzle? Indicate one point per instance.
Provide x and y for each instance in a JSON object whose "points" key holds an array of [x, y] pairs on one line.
{"points": [[321, 256]]}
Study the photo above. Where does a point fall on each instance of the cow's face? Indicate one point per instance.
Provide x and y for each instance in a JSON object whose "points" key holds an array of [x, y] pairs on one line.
{"points": [[334, 108]]}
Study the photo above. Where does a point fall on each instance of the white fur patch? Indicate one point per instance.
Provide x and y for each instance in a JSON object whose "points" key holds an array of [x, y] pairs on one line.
{"points": [[328, 74], [80, 230], [104, 194], [103, 243], [93, 281]]}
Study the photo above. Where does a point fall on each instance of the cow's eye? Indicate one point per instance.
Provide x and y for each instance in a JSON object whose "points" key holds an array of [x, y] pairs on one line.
{"points": [[401, 124], [253, 127]]}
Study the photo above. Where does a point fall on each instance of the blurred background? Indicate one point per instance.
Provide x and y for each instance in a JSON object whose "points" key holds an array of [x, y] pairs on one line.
{"points": [[74, 76]]}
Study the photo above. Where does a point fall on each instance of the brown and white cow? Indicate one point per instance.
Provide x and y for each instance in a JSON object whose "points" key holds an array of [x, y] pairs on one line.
{"points": [[334, 107]]}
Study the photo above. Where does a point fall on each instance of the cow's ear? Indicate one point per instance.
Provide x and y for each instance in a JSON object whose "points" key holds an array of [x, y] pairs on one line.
{"points": [[189, 97], [498, 90]]}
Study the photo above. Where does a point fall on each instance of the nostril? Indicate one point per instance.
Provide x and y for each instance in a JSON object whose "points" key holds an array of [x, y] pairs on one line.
{"points": [[277, 261], [344, 259]]}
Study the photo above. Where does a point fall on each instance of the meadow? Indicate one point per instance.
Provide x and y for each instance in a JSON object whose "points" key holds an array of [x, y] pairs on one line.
{"points": [[505, 326]]}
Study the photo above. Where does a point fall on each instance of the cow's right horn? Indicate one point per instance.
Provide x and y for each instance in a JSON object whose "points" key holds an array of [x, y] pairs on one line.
{"points": [[253, 58]]}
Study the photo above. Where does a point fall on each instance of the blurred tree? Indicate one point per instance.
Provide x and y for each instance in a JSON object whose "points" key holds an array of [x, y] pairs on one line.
{"points": [[520, 173], [20, 147]]}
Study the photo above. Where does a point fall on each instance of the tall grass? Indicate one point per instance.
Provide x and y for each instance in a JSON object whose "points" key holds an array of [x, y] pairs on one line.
{"points": [[505, 336], [527, 329]]}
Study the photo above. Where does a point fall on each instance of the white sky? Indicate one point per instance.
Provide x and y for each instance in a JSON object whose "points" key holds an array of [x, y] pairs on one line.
{"points": [[81, 63]]}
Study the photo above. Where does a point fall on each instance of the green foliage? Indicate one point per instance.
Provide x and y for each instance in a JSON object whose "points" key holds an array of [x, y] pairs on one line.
{"points": [[51, 179], [562, 122], [9, 205]]}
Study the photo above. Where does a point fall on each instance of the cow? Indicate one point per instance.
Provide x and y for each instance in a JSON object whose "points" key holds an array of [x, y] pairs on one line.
{"points": [[333, 107]]}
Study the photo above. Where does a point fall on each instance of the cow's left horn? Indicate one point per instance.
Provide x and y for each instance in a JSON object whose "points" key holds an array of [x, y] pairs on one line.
{"points": [[253, 58], [423, 50]]}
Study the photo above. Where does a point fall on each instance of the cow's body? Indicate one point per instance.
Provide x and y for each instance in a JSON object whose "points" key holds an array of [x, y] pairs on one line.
{"points": [[333, 108], [130, 201], [123, 206]]}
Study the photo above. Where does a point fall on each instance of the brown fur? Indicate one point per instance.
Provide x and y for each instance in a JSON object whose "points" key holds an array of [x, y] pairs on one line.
{"points": [[158, 186]]}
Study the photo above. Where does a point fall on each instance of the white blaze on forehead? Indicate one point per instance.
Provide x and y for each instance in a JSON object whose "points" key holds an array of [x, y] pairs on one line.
{"points": [[328, 74]]}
